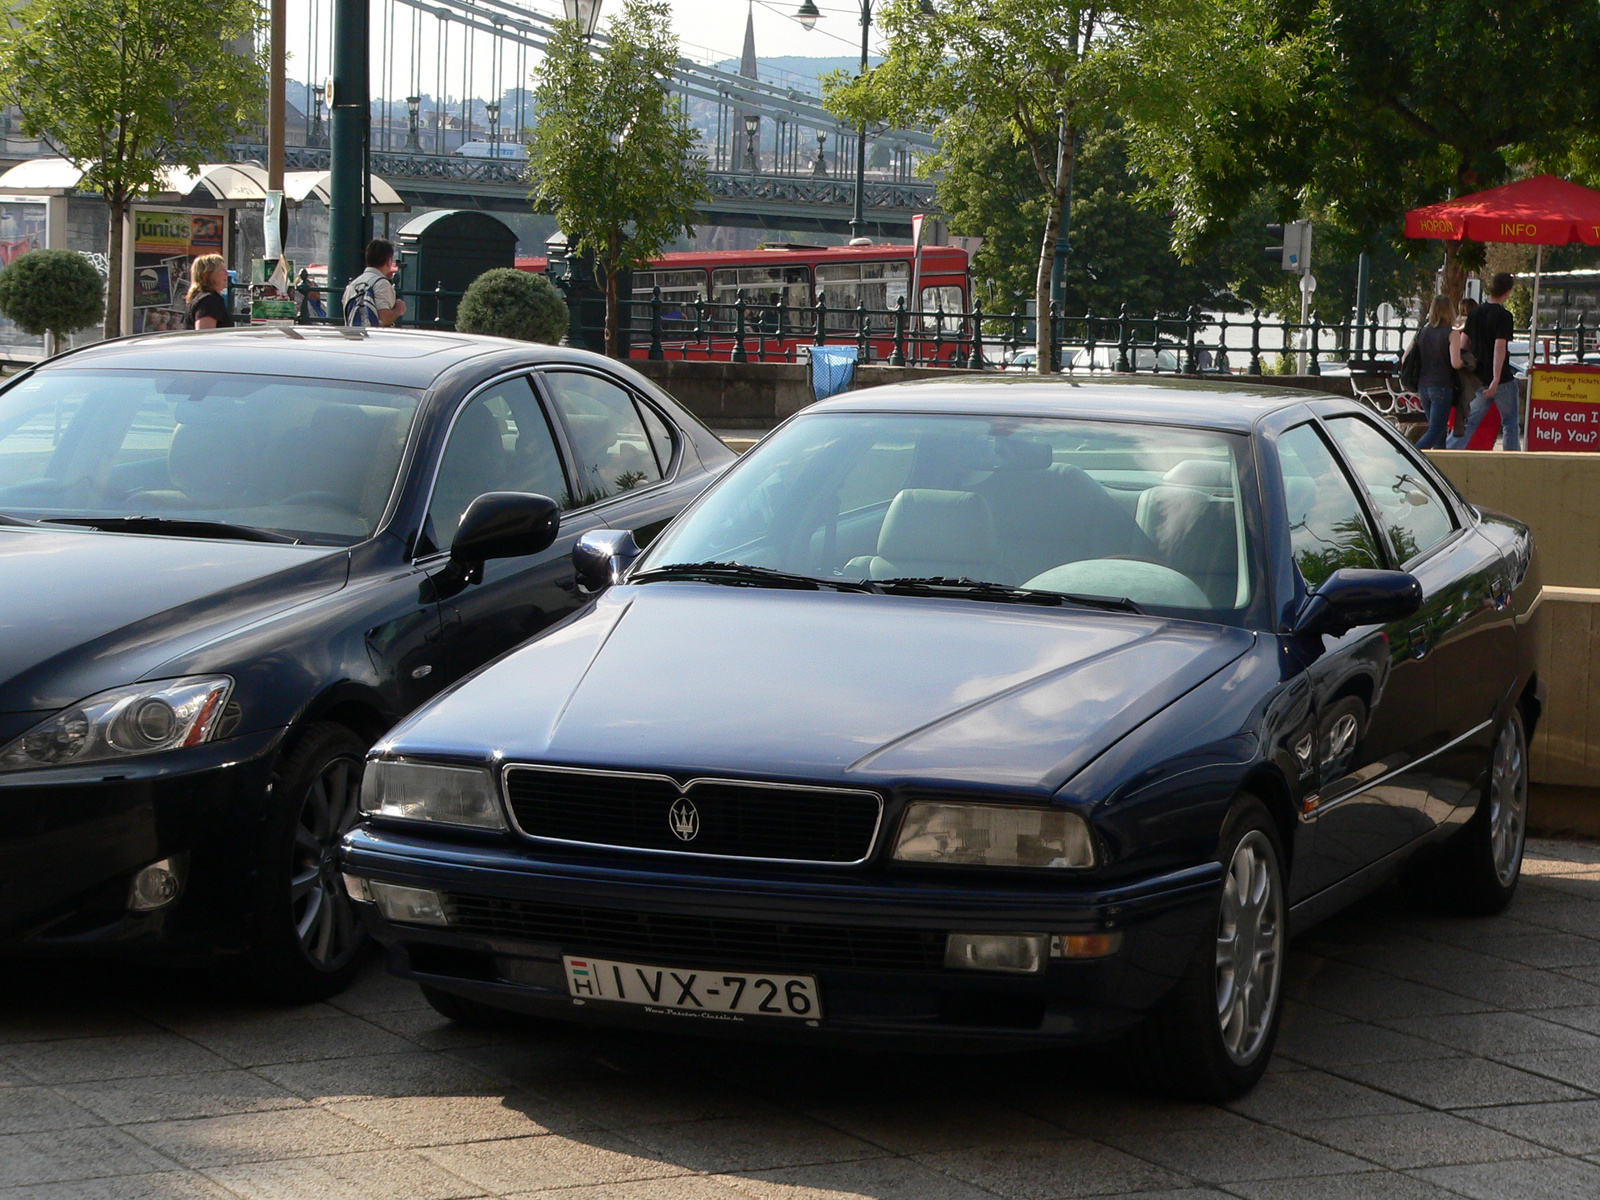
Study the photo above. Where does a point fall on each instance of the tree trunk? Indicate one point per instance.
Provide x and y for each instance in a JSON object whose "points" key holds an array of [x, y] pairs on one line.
{"points": [[119, 208], [1047, 254], [1455, 275], [612, 254]]}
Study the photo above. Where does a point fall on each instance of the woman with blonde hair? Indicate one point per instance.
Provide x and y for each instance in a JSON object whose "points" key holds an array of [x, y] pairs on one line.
{"points": [[1439, 351], [208, 286]]}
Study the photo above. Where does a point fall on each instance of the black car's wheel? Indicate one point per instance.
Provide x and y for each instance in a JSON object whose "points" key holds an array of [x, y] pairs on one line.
{"points": [[308, 940], [1213, 1037], [1477, 872]]}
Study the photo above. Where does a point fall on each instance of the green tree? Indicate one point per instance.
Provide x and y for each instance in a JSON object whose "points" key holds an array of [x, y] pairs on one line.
{"points": [[1397, 105], [610, 154], [123, 89], [51, 291], [1012, 70]]}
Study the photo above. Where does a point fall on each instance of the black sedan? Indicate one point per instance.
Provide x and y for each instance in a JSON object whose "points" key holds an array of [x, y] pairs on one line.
{"points": [[1004, 712], [230, 561]]}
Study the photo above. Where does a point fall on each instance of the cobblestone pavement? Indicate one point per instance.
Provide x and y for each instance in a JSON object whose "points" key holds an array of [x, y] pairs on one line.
{"points": [[1421, 1057]]}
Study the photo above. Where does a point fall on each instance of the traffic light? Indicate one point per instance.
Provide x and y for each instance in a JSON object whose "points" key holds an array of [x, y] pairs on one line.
{"points": [[1293, 249]]}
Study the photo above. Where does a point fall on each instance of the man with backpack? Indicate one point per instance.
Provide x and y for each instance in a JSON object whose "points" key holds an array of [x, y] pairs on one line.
{"points": [[1488, 333], [370, 300]]}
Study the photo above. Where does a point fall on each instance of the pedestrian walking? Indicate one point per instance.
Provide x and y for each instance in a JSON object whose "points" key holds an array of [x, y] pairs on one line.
{"points": [[1439, 354], [208, 291], [370, 299], [1488, 333]]}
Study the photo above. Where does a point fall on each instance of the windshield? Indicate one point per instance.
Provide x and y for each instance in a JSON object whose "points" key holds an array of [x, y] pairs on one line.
{"points": [[1152, 514], [309, 459]]}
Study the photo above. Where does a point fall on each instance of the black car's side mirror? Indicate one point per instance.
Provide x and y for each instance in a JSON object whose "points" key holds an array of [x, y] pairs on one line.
{"points": [[497, 525], [1355, 596], [602, 555]]}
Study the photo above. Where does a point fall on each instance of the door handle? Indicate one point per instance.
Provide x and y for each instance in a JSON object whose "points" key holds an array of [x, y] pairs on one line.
{"points": [[1417, 642]]}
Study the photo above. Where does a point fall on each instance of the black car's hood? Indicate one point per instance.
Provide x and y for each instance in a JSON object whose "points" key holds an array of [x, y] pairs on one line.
{"points": [[81, 611], [687, 678]]}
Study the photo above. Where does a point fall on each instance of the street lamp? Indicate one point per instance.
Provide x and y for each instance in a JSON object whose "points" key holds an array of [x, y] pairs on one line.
{"points": [[808, 14], [413, 115], [585, 12], [819, 169], [491, 110], [752, 126]]}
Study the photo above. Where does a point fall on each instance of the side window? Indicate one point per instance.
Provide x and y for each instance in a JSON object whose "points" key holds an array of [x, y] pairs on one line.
{"points": [[1415, 517], [1327, 527], [501, 442], [609, 443], [660, 435]]}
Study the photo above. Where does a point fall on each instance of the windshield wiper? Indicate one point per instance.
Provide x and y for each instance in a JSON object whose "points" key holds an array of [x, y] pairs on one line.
{"points": [[175, 527], [981, 589], [743, 575]]}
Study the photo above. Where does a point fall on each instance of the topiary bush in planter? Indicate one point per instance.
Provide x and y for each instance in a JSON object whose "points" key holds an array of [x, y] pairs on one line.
{"points": [[52, 291], [506, 302]]}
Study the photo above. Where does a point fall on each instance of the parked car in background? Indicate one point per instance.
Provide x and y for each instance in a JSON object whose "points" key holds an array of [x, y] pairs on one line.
{"points": [[1105, 357], [231, 561], [983, 711]]}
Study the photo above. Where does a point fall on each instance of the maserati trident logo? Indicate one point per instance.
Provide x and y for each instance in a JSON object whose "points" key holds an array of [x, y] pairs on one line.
{"points": [[684, 818]]}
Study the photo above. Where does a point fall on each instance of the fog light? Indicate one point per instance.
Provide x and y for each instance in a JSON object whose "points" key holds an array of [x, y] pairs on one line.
{"points": [[156, 886], [1085, 945], [1022, 953], [416, 906], [356, 888]]}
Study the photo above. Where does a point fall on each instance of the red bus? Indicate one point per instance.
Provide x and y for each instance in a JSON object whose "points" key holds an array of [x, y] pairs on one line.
{"points": [[781, 285]]}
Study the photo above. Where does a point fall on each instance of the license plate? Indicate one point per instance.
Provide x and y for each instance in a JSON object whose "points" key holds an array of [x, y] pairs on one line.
{"points": [[715, 994]]}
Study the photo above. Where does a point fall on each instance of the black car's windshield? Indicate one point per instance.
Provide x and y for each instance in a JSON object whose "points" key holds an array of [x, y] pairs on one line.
{"points": [[195, 454], [1109, 512]]}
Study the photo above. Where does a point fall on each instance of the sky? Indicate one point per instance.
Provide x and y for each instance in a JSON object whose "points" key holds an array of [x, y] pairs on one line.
{"points": [[708, 30]]}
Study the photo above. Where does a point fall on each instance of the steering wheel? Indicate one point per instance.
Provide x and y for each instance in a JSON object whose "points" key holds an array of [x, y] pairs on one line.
{"points": [[325, 500]]}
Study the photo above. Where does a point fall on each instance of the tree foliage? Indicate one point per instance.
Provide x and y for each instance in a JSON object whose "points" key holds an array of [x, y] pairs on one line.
{"points": [[1396, 105], [51, 291], [509, 303], [124, 88], [610, 154]]}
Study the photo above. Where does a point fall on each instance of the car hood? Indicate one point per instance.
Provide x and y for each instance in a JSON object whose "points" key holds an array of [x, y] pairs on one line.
{"points": [[688, 678], [81, 611]]}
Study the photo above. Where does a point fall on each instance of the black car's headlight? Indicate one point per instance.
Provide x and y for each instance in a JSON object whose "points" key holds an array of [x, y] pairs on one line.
{"points": [[145, 718], [994, 835], [411, 791]]}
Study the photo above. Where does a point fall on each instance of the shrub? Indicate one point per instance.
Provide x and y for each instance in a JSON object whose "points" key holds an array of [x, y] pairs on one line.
{"points": [[506, 302], [54, 291]]}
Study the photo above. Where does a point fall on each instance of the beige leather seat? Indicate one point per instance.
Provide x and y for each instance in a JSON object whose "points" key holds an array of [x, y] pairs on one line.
{"points": [[1189, 517], [929, 532]]}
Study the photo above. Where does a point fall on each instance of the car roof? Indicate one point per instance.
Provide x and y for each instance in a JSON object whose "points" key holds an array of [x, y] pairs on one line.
{"points": [[1211, 404], [411, 358]]}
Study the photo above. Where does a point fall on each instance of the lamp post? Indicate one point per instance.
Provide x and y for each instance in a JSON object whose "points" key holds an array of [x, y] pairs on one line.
{"points": [[752, 126], [491, 110], [808, 14], [585, 12], [413, 117], [819, 168]]}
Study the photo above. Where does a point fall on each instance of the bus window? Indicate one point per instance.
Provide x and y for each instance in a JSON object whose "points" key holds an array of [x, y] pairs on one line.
{"points": [[947, 297], [679, 291], [878, 285], [762, 288]]}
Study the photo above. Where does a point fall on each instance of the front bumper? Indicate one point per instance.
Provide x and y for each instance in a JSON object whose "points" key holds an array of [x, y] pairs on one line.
{"points": [[874, 943], [71, 840]]}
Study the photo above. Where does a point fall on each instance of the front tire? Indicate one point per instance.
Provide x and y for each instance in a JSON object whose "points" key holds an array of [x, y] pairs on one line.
{"points": [[308, 942], [1213, 1036]]}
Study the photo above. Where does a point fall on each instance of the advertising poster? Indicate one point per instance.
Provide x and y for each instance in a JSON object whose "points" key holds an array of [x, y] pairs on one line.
{"points": [[166, 242], [1564, 408]]}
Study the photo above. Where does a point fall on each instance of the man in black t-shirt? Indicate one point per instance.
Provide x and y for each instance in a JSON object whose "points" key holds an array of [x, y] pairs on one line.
{"points": [[1489, 330]]}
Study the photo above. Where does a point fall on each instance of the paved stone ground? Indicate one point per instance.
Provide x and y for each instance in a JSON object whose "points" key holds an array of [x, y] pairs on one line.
{"points": [[1421, 1057]]}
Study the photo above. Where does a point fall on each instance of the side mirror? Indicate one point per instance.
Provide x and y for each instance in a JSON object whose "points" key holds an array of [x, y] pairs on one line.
{"points": [[1354, 596], [602, 555], [505, 525]]}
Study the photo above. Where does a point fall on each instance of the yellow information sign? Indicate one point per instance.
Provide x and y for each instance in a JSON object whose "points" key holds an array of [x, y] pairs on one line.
{"points": [[1564, 408]]}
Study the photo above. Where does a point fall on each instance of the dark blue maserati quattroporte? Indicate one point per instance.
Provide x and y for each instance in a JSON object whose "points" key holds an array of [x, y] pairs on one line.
{"points": [[1000, 712]]}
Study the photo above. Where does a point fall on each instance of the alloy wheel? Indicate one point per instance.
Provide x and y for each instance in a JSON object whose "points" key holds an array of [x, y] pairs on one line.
{"points": [[324, 921], [1249, 947], [1508, 801]]}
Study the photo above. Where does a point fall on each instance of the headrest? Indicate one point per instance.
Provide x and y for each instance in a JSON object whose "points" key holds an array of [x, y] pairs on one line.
{"points": [[210, 464], [923, 523], [1201, 473], [1023, 453]]}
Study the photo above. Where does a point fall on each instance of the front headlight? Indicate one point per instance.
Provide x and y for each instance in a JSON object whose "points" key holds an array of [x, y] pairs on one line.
{"points": [[146, 718], [413, 791], [994, 835]]}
